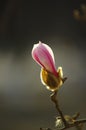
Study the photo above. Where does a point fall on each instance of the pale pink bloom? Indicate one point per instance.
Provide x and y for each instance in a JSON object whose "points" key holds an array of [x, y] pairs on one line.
{"points": [[44, 56]]}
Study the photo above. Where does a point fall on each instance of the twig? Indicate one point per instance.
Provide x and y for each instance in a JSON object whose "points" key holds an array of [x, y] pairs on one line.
{"points": [[54, 99], [77, 123]]}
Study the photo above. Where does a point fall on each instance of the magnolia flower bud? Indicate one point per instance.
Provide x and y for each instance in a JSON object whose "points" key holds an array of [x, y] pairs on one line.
{"points": [[44, 56]]}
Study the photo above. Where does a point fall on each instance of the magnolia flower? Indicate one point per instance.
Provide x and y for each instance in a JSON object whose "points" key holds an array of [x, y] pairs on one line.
{"points": [[44, 56]]}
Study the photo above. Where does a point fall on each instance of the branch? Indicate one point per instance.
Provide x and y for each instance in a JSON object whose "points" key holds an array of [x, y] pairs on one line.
{"points": [[78, 123], [54, 99], [75, 124]]}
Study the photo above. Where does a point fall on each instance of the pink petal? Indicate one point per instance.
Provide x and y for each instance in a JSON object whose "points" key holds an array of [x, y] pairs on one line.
{"points": [[44, 56]]}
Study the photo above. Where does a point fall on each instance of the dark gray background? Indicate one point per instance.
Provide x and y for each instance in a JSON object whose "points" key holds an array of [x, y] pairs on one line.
{"points": [[24, 102]]}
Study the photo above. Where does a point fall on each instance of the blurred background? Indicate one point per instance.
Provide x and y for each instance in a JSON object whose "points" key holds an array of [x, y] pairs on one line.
{"points": [[24, 102]]}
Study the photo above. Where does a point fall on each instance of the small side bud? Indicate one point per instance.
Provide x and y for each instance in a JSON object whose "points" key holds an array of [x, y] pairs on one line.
{"points": [[59, 123], [69, 119]]}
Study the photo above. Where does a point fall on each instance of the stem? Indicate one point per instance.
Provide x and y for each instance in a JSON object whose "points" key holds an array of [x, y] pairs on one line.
{"points": [[78, 123], [54, 99]]}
